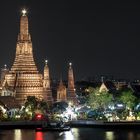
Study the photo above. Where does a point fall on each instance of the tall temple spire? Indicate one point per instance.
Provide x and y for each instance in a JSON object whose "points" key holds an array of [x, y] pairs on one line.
{"points": [[24, 60], [46, 83], [24, 31], [71, 88], [70, 77], [24, 23], [24, 77]]}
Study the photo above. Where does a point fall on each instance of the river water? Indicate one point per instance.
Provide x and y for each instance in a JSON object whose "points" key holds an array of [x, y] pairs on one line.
{"points": [[73, 134]]}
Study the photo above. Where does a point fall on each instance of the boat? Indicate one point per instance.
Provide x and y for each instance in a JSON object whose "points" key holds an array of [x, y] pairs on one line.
{"points": [[66, 128], [53, 126]]}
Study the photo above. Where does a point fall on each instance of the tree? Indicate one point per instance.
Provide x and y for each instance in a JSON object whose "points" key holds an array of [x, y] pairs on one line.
{"points": [[99, 100], [36, 103], [1, 114], [128, 99], [31, 103], [34, 106]]}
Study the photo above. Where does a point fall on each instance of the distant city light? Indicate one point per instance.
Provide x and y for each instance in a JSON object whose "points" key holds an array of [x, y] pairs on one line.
{"points": [[120, 105]]}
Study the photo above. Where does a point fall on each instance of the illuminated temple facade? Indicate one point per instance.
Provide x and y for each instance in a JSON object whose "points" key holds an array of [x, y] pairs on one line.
{"points": [[23, 79]]}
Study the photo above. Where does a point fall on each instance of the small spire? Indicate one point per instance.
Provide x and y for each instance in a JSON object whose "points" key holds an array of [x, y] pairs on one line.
{"points": [[102, 79], [5, 66], [61, 81], [24, 11]]}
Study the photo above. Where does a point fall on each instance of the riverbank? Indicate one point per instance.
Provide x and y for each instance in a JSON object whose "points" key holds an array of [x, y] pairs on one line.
{"points": [[20, 124], [74, 123], [104, 124]]}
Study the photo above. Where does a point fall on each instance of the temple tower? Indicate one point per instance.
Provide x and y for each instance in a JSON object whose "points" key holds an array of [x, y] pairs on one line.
{"points": [[61, 92], [71, 89], [4, 71], [24, 61], [24, 77], [46, 83]]}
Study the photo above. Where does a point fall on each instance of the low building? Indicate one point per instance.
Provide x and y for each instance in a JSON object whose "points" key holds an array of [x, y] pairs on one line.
{"points": [[61, 92], [107, 86]]}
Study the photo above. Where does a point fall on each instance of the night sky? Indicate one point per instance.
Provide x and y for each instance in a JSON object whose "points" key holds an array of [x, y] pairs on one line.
{"points": [[99, 38]]}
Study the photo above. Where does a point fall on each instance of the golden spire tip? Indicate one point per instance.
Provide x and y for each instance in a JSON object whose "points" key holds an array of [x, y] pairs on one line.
{"points": [[46, 61], [24, 11], [70, 64]]}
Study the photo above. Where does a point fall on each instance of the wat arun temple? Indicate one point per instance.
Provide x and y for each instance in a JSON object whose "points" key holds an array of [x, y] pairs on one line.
{"points": [[24, 79]]}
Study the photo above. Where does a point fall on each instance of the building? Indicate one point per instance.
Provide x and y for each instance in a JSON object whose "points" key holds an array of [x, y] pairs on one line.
{"points": [[61, 92], [23, 78], [107, 86]]}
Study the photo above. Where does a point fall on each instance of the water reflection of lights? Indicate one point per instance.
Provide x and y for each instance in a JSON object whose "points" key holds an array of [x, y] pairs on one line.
{"points": [[72, 135], [39, 136], [17, 134], [109, 135], [69, 136]]}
